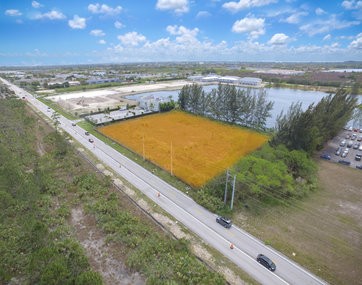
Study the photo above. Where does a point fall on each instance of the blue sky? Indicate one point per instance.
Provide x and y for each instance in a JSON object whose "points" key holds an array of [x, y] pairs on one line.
{"points": [[48, 32]]}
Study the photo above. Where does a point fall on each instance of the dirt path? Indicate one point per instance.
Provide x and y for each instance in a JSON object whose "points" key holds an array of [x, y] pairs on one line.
{"points": [[103, 257]]}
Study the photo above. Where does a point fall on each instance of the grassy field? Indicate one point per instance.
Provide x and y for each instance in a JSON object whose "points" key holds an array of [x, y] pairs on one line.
{"points": [[193, 148], [324, 231]]}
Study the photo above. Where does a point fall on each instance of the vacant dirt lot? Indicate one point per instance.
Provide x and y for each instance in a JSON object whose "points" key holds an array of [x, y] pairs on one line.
{"points": [[324, 231], [193, 148]]}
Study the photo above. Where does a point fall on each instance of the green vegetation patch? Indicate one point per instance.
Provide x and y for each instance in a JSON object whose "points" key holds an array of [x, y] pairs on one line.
{"points": [[36, 246]]}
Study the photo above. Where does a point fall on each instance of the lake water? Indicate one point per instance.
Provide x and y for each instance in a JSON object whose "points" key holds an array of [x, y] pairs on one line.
{"points": [[282, 98]]}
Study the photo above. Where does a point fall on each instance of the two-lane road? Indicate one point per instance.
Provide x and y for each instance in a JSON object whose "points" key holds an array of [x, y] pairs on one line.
{"points": [[188, 212]]}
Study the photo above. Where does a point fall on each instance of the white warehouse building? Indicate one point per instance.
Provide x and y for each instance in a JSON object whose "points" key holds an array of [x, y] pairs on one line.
{"points": [[251, 81]]}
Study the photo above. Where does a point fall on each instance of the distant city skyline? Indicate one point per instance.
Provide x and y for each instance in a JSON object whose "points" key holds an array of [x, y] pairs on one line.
{"points": [[89, 32]]}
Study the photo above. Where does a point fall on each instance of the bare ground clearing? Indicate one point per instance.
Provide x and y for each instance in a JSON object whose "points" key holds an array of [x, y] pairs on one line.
{"points": [[88, 101], [324, 231]]}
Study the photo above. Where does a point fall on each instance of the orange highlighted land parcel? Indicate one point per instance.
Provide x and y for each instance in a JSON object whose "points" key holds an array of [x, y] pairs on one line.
{"points": [[198, 148]]}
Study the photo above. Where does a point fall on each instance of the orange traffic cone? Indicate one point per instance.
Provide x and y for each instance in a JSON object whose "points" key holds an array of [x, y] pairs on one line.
{"points": [[231, 246]]}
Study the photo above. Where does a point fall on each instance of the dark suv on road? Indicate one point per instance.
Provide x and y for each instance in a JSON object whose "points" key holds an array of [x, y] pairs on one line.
{"points": [[224, 222], [266, 261]]}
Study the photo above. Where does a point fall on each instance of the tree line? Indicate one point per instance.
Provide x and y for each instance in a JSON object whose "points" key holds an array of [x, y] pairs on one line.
{"points": [[227, 103], [309, 130]]}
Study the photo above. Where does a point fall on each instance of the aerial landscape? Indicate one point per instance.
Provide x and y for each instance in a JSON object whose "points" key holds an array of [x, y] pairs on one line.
{"points": [[181, 142]]}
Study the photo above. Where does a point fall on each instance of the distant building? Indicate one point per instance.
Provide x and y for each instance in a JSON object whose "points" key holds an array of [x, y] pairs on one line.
{"points": [[74, 83], [250, 81], [230, 79], [102, 80]]}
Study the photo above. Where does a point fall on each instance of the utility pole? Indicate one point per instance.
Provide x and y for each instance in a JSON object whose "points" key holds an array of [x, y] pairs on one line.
{"points": [[171, 160], [143, 147], [232, 195], [226, 185]]}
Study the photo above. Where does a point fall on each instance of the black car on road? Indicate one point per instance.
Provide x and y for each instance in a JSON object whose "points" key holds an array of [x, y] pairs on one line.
{"points": [[266, 261], [224, 222]]}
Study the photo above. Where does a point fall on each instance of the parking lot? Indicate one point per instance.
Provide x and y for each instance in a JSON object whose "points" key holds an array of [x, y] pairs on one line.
{"points": [[346, 148]]}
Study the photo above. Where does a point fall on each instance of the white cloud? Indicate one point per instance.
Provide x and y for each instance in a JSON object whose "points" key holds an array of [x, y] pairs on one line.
{"points": [[320, 26], [178, 6], [203, 14], [97, 33], [77, 22], [132, 39], [335, 45], [295, 18], [118, 25], [320, 11], [104, 9], [279, 39], [327, 37], [36, 4], [357, 43], [253, 26], [13, 12], [102, 42], [51, 15], [352, 5], [184, 35], [244, 4]]}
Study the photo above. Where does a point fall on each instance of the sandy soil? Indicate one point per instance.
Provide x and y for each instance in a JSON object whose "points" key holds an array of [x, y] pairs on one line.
{"points": [[104, 258], [95, 100]]}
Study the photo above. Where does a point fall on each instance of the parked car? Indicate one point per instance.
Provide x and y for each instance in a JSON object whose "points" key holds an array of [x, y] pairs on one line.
{"points": [[358, 157], [338, 151], [350, 144], [266, 261], [353, 137], [325, 156], [359, 166], [359, 138], [74, 124], [356, 145], [347, 136], [344, 154], [224, 222], [86, 133], [360, 147], [342, 143], [345, 162]]}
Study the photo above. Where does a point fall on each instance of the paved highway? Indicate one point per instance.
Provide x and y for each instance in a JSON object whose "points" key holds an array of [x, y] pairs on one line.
{"points": [[185, 210]]}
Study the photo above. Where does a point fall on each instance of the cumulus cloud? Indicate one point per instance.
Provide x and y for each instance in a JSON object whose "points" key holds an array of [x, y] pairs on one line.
{"points": [[36, 4], [295, 18], [132, 39], [279, 39], [77, 22], [325, 26], [178, 6], [327, 37], [97, 33], [244, 4], [102, 42], [253, 26], [104, 9], [320, 11], [183, 34], [118, 25], [203, 14], [51, 15], [357, 43], [352, 5], [13, 13]]}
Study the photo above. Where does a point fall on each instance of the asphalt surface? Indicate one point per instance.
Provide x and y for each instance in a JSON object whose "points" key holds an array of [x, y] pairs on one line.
{"points": [[188, 212], [350, 157]]}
